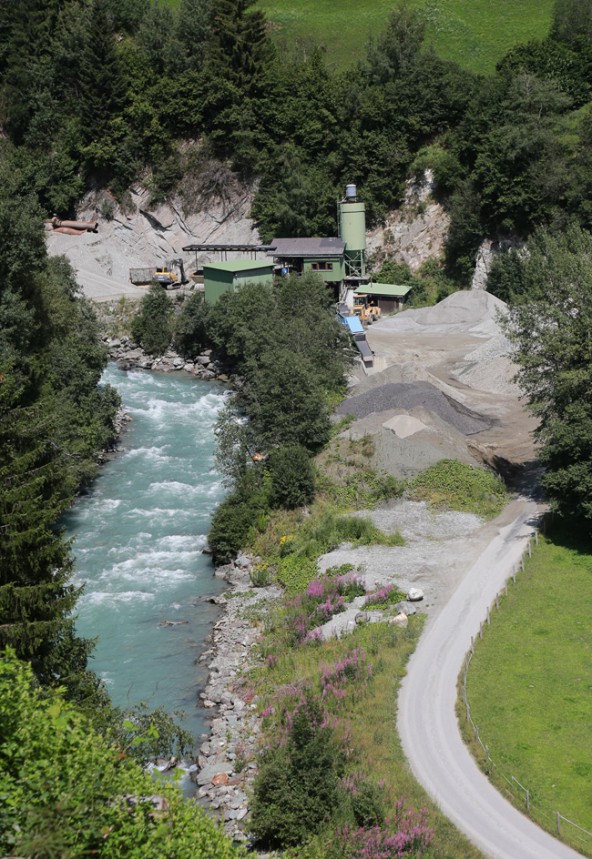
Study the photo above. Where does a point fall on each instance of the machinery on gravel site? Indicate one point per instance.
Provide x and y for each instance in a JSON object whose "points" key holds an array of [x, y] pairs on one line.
{"points": [[367, 310], [170, 274]]}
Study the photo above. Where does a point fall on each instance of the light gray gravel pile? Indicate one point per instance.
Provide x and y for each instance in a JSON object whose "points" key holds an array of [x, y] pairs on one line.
{"points": [[402, 396], [469, 310], [490, 368]]}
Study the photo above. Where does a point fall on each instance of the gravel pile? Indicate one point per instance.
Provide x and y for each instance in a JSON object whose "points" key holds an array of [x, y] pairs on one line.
{"points": [[490, 368], [468, 310], [395, 395]]}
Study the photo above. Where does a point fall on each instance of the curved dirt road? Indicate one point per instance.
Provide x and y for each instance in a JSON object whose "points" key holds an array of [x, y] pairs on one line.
{"points": [[427, 720]]}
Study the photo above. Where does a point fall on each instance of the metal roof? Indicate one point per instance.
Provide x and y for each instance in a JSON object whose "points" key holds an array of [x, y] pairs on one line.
{"points": [[221, 247], [307, 248], [237, 265], [386, 290]]}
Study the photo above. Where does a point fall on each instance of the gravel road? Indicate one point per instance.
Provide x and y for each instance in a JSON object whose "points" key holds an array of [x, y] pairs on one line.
{"points": [[102, 288], [427, 721]]}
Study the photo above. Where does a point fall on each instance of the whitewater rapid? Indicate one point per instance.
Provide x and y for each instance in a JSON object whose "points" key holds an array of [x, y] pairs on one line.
{"points": [[138, 540]]}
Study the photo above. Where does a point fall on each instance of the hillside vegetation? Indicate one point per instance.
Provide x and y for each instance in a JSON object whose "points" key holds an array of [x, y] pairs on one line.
{"points": [[473, 33], [528, 686]]}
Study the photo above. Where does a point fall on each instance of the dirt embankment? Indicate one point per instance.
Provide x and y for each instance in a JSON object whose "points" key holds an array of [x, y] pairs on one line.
{"points": [[141, 236]]}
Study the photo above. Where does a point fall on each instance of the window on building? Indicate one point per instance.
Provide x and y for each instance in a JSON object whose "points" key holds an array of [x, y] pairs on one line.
{"points": [[322, 266]]}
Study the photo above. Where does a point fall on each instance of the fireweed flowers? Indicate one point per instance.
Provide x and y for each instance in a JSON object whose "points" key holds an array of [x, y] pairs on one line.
{"points": [[323, 598]]}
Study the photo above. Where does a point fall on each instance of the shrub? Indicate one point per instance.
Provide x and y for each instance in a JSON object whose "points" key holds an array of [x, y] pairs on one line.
{"points": [[237, 516], [191, 327], [365, 800], [292, 477], [407, 835], [153, 325], [387, 595], [323, 533], [67, 791], [295, 571], [323, 598], [260, 576], [297, 787], [452, 484]]}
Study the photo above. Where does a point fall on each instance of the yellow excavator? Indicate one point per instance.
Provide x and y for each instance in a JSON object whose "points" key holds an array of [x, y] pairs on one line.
{"points": [[171, 273]]}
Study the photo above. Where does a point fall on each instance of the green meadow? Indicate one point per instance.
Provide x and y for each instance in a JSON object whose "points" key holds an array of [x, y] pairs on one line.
{"points": [[474, 33], [530, 686]]}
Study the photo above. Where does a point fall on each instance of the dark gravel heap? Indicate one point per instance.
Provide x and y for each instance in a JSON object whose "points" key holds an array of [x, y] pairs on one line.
{"points": [[398, 395]]}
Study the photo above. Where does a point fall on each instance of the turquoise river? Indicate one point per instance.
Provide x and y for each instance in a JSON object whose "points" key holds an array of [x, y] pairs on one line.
{"points": [[138, 540]]}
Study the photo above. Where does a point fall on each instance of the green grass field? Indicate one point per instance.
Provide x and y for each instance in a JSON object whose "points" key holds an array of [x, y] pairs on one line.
{"points": [[530, 686], [475, 33]]}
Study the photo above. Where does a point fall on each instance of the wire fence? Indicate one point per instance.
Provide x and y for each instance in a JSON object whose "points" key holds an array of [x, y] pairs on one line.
{"points": [[549, 818]]}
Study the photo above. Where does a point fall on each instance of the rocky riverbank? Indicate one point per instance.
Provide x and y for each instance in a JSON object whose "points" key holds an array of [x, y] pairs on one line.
{"points": [[130, 356], [227, 758]]}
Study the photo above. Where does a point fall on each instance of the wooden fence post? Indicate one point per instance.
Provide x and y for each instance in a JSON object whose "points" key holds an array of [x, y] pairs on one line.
{"points": [[558, 822]]}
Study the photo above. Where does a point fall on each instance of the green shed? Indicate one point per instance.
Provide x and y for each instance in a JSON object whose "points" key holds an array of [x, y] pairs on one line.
{"points": [[221, 277], [388, 296]]}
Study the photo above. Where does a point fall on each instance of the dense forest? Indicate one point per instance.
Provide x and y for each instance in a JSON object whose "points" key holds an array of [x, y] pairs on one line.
{"points": [[97, 94], [100, 93]]}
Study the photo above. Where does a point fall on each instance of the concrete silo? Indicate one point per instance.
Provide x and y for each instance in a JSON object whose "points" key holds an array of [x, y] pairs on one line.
{"points": [[352, 230]]}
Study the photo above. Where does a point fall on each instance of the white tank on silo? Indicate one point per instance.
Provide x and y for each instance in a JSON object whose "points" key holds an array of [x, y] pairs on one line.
{"points": [[350, 192]]}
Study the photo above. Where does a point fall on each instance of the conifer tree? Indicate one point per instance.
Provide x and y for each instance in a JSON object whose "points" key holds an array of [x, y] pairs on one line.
{"points": [[36, 596], [44, 452]]}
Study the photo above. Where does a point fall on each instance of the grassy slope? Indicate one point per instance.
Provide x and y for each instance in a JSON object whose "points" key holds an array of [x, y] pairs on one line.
{"points": [[530, 683], [372, 717], [474, 33]]}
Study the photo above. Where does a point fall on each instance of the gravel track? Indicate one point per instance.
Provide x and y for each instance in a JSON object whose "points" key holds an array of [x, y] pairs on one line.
{"points": [[427, 720]]}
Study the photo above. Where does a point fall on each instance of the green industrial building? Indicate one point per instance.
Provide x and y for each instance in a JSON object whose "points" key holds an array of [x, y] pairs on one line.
{"points": [[229, 276], [339, 261], [323, 256]]}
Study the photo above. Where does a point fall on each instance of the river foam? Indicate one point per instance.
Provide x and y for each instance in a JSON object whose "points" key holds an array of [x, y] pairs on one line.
{"points": [[139, 536]]}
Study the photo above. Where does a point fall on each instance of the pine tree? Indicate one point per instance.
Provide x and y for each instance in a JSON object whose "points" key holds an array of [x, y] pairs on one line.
{"points": [[44, 422], [36, 596], [101, 78], [240, 49]]}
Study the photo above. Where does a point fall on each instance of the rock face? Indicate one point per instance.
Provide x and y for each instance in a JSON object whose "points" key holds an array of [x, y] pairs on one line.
{"points": [[413, 233], [486, 254], [138, 236]]}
